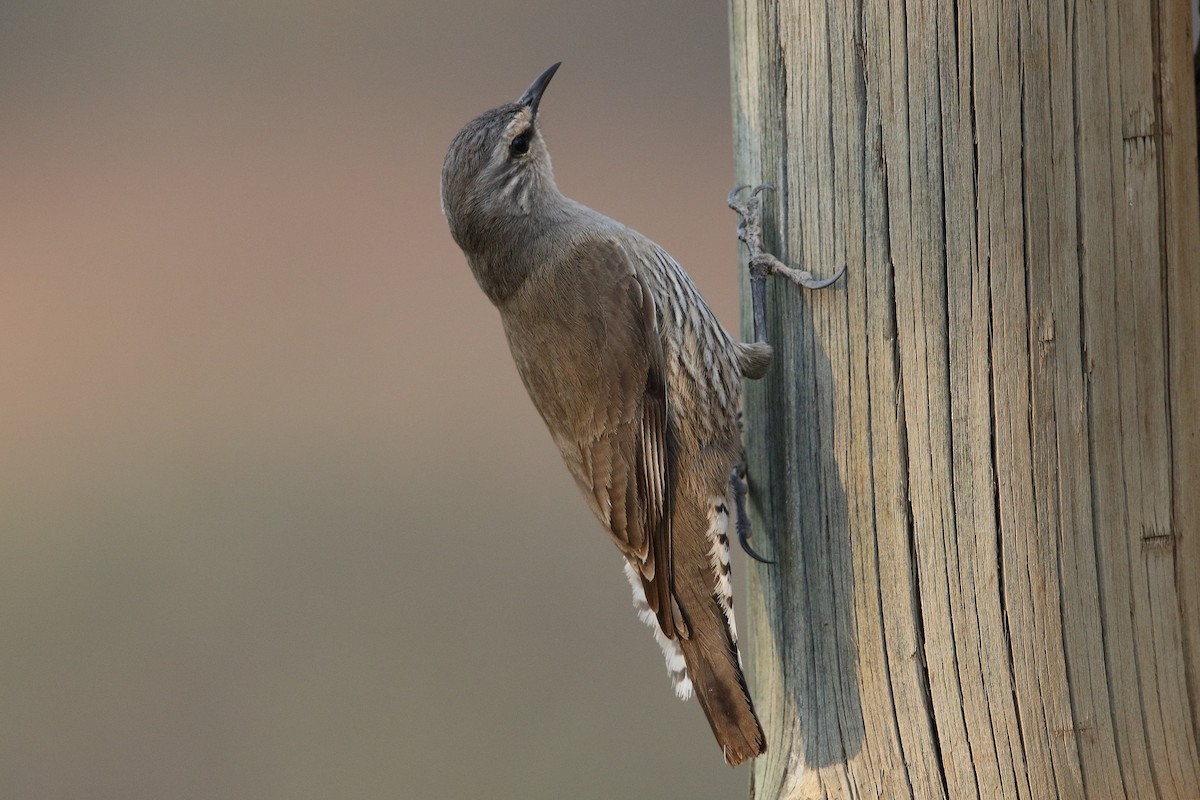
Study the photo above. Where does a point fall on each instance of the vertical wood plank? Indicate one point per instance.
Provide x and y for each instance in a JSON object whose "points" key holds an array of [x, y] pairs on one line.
{"points": [[1181, 238], [975, 460]]}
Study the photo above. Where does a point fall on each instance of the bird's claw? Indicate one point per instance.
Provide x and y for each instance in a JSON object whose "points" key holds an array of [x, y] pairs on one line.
{"points": [[733, 194], [749, 231], [741, 187], [821, 283], [744, 541], [740, 489], [765, 264]]}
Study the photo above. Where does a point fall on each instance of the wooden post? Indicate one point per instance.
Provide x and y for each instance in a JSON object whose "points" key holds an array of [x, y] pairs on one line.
{"points": [[976, 459]]}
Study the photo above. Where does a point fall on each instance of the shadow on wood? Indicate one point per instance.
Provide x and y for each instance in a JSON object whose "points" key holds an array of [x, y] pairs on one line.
{"points": [[810, 588]]}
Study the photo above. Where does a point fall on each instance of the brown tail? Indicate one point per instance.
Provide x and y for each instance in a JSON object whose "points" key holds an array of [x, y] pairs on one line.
{"points": [[712, 664], [710, 650], [700, 548]]}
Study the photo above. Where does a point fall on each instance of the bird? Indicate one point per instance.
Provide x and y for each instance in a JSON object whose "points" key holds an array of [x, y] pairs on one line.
{"points": [[638, 383]]}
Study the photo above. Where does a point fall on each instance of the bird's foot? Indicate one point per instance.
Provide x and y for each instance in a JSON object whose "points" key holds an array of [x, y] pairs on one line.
{"points": [[737, 480], [763, 263], [749, 231]]}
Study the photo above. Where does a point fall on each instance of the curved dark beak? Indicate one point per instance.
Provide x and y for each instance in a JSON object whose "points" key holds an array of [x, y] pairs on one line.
{"points": [[533, 95]]}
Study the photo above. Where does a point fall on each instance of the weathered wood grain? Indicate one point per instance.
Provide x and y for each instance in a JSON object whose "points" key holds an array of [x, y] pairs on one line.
{"points": [[977, 459]]}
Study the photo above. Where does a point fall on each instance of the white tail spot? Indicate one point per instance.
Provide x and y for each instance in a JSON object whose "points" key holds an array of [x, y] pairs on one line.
{"points": [[718, 535], [672, 654]]}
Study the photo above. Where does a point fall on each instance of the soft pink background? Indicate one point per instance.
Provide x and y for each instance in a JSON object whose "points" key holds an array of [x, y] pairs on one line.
{"points": [[277, 519]]}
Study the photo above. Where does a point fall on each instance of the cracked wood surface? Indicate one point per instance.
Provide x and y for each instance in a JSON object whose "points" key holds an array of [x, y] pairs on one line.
{"points": [[977, 459]]}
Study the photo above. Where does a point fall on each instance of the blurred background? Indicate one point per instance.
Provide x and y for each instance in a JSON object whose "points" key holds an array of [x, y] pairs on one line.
{"points": [[277, 519]]}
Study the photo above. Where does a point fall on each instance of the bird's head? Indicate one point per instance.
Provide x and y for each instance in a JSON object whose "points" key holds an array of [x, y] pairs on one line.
{"points": [[497, 169]]}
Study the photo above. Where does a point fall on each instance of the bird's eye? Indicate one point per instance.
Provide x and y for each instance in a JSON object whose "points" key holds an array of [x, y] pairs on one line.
{"points": [[520, 145]]}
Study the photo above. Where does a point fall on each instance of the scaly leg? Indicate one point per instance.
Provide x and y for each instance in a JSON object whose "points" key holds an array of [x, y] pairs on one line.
{"points": [[762, 264], [737, 479]]}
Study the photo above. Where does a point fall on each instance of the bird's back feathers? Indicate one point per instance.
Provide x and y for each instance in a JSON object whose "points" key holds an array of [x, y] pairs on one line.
{"points": [[640, 388]]}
